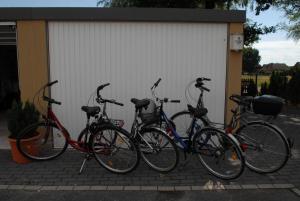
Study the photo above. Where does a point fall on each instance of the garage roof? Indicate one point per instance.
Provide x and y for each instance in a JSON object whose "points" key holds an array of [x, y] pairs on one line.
{"points": [[123, 14]]}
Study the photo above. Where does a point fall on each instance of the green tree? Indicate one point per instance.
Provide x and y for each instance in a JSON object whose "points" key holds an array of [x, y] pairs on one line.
{"points": [[291, 8], [251, 59], [278, 84], [293, 88]]}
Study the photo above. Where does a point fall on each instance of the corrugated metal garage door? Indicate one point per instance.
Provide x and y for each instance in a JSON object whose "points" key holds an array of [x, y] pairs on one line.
{"points": [[132, 56]]}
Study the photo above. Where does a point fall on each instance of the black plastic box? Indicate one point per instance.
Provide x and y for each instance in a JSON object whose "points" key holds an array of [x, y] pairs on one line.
{"points": [[267, 105]]}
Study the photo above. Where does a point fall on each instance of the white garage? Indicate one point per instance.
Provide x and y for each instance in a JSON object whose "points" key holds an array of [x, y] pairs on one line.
{"points": [[130, 48]]}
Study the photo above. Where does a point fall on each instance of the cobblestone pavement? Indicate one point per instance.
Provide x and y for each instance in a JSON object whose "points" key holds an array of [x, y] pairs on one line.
{"points": [[63, 171]]}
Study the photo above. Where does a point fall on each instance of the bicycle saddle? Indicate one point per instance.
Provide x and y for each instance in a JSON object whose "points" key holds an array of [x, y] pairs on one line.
{"points": [[91, 111], [197, 112], [140, 103]]}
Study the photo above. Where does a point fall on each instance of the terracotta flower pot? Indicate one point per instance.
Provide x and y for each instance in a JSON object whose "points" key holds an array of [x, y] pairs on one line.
{"points": [[30, 146]]}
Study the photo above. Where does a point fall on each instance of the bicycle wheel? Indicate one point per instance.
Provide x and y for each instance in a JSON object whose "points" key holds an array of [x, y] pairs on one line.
{"points": [[114, 150], [158, 150], [219, 153], [183, 121], [48, 141], [266, 148]]}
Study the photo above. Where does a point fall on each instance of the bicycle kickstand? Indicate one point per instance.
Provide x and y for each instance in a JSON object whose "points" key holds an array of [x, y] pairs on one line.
{"points": [[86, 158]]}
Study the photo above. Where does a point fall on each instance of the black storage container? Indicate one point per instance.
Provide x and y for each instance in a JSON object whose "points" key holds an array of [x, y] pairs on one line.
{"points": [[267, 105]]}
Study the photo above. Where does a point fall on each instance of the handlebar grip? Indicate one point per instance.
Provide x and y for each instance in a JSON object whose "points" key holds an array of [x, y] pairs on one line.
{"points": [[200, 79], [206, 89], [120, 104], [156, 83], [52, 83], [114, 102], [175, 101]]}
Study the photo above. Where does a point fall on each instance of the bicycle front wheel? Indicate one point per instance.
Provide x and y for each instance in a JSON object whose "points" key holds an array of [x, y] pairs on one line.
{"points": [[114, 150], [219, 153], [158, 150], [41, 141], [266, 149]]}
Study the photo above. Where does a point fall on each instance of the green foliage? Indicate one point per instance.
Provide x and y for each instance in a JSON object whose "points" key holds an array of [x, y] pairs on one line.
{"points": [[251, 59], [20, 116], [253, 31], [278, 84], [294, 88], [252, 89], [264, 88]]}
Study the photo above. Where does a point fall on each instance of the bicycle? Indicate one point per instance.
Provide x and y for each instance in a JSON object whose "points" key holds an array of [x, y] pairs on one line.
{"points": [[219, 153], [249, 133], [110, 145], [157, 149]]}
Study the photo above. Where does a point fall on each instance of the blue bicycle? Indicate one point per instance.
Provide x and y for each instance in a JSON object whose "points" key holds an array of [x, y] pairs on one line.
{"points": [[218, 152]]}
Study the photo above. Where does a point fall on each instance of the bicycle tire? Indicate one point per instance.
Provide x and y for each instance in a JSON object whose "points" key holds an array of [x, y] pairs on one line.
{"points": [[150, 137], [214, 145], [182, 120], [260, 165], [42, 152], [103, 147]]}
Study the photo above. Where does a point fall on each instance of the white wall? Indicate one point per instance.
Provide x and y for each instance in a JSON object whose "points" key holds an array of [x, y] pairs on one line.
{"points": [[132, 56]]}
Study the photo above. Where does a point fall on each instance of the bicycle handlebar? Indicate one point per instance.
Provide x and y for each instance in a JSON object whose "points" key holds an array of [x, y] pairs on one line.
{"points": [[51, 83], [156, 83], [101, 87], [200, 79]]}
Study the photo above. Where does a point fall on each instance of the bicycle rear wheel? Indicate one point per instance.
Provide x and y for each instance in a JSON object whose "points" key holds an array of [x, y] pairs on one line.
{"points": [[114, 150], [158, 150], [47, 141], [266, 149], [219, 153]]}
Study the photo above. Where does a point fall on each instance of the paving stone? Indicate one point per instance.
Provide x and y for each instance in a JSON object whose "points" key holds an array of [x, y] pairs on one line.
{"points": [[115, 188], [232, 187], [132, 188], [197, 188], [65, 188], [148, 188], [283, 186], [296, 191], [33, 188], [49, 188], [249, 186], [183, 188], [165, 188], [263, 186], [3, 187], [15, 187], [81, 188], [98, 188]]}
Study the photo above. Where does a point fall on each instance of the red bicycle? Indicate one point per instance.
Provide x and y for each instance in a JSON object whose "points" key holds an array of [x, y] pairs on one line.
{"points": [[109, 144]]}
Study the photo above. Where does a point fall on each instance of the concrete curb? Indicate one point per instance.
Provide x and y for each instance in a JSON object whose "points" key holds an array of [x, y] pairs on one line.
{"points": [[151, 188]]}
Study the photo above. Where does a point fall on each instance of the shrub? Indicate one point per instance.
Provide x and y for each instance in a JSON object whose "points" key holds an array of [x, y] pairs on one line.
{"points": [[20, 116], [278, 85], [264, 88], [293, 92]]}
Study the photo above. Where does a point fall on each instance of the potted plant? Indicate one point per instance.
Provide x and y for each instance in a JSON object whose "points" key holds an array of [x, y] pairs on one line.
{"points": [[19, 117]]}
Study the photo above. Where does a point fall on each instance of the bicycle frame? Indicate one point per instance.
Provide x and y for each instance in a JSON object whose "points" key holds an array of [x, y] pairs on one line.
{"points": [[51, 118]]}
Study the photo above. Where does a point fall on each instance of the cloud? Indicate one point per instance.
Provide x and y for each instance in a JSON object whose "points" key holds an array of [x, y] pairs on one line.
{"points": [[279, 52]]}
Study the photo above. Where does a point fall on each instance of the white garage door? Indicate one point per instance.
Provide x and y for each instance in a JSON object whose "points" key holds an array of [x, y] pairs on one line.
{"points": [[132, 56]]}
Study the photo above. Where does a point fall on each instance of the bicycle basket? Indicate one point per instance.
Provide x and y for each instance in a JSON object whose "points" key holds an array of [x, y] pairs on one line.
{"points": [[267, 105], [150, 113]]}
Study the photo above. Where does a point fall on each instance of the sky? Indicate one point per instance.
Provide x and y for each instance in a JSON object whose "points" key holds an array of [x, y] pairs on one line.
{"points": [[273, 48]]}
